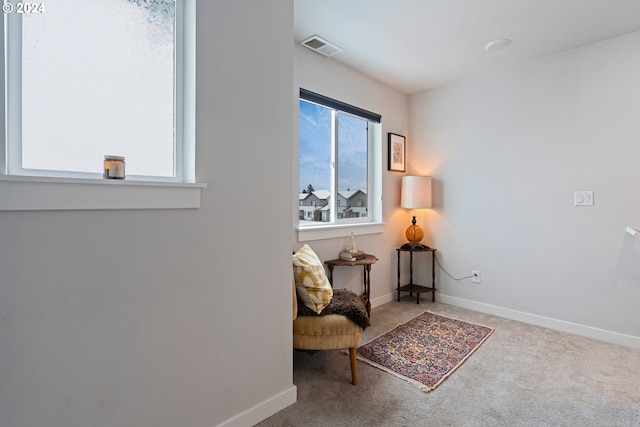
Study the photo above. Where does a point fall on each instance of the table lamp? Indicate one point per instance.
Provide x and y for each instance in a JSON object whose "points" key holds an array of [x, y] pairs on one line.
{"points": [[416, 194]]}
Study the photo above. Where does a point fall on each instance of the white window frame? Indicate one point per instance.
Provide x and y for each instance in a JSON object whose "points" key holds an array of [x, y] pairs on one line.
{"points": [[25, 190], [359, 226]]}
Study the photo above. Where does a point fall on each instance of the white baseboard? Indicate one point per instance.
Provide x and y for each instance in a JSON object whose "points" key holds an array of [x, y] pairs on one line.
{"points": [[383, 300], [264, 410], [533, 319]]}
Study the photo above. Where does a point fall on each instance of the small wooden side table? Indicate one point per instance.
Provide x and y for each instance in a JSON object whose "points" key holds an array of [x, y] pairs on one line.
{"points": [[366, 264], [412, 287]]}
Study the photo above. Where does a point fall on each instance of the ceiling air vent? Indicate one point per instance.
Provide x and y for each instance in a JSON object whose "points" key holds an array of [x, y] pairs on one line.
{"points": [[321, 46]]}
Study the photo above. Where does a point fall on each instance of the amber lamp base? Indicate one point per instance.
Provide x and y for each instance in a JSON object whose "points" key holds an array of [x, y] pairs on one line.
{"points": [[414, 234]]}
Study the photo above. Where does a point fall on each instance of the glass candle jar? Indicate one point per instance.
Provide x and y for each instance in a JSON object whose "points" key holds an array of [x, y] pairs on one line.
{"points": [[113, 167]]}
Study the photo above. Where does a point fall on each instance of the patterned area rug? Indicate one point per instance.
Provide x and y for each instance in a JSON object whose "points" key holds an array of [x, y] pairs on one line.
{"points": [[426, 349]]}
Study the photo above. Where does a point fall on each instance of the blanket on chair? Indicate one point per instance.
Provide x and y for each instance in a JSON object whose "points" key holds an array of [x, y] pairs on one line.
{"points": [[343, 302]]}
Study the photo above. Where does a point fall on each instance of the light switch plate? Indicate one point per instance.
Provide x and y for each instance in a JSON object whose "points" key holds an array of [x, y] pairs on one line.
{"points": [[583, 198]]}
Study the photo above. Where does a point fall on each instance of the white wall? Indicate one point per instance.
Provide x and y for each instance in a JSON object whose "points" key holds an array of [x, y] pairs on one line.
{"points": [[333, 79], [168, 317], [507, 150]]}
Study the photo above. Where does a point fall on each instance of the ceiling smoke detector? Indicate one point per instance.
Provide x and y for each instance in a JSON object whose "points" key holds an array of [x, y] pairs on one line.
{"points": [[320, 45], [497, 45]]}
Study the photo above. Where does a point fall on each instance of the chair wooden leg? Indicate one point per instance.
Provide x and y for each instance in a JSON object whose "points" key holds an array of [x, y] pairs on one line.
{"points": [[354, 371]]}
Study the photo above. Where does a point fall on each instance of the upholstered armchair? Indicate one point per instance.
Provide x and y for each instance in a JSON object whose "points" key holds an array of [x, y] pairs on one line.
{"points": [[337, 324]]}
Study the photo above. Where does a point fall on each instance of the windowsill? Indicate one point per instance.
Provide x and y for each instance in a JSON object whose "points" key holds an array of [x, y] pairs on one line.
{"points": [[21, 193], [338, 230]]}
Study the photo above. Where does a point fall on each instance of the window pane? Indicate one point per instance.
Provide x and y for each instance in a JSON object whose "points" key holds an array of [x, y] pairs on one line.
{"points": [[315, 162], [352, 167], [98, 78]]}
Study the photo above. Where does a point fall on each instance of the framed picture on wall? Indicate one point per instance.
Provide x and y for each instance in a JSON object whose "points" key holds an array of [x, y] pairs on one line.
{"points": [[397, 152]]}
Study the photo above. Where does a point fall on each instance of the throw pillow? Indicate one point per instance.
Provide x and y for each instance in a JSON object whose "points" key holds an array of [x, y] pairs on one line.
{"points": [[312, 285]]}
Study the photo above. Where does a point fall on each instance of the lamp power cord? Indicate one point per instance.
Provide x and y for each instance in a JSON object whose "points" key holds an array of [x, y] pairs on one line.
{"points": [[447, 273]]}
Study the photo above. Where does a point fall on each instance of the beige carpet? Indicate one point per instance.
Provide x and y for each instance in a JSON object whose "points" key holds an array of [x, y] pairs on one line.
{"points": [[522, 376]]}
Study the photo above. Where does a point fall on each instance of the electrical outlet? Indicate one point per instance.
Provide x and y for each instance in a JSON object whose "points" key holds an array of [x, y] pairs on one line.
{"points": [[475, 276]]}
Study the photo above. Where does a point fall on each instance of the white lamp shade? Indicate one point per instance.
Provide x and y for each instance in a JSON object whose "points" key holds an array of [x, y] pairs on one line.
{"points": [[416, 192]]}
